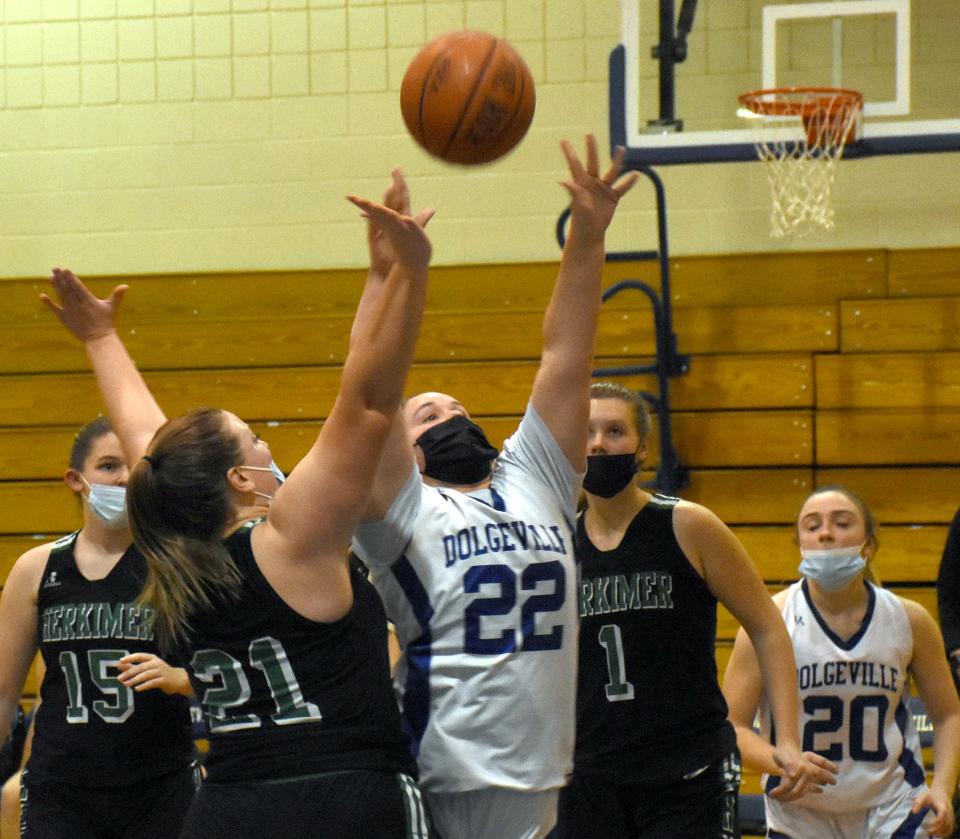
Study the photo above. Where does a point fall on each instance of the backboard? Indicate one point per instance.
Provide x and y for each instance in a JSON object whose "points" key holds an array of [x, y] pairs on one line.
{"points": [[903, 55]]}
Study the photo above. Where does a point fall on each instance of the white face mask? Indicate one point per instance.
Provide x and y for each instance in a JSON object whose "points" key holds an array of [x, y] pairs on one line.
{"points": [[277, 473], [107, 503], [832, 568]]}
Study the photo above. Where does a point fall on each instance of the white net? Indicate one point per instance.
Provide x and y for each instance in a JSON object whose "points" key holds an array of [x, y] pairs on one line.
{"points": [[800, 134]]}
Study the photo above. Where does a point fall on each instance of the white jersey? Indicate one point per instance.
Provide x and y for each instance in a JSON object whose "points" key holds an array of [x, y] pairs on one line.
{"points": [[853, 704], [481, 588]]}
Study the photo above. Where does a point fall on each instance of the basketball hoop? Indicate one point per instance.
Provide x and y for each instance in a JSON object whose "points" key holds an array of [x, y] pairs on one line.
{"points": [[800, 134]]}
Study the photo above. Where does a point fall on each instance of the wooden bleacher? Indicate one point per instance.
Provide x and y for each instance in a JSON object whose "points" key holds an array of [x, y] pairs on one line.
{"points": [[807, 368]]}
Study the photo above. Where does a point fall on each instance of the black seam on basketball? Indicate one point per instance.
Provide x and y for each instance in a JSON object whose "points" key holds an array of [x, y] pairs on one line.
{"points": [[517, 108], [424, 87], [481, 76]]}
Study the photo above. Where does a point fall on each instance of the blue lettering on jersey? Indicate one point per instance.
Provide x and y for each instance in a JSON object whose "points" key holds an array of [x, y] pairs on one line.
{"points": [[498, 586], [502, 537], [869, 674], [865, 717]]}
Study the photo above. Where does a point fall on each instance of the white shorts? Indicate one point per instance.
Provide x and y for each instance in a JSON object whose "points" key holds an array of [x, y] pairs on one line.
{"points": [[493, 813], [892, 818]]}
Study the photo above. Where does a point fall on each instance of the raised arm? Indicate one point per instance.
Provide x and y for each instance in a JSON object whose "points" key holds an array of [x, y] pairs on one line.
{"points": [[940, 700], [729, 574], [561, 389], [133, 411], [397, 459], [320, 505]]}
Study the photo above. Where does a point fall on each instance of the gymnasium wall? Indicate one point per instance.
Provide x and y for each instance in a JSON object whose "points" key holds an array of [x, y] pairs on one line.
{"points": [[143, 136]]}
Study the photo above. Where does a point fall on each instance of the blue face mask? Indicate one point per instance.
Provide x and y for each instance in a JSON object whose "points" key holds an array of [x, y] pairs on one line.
{"points": [[277, 473], [832, 568], [107, 503]]}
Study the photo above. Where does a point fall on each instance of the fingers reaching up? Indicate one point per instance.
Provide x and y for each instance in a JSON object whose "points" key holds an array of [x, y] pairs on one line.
{"points": [[403, 233], [397, 198], [594, 197], [397, 195], [78, 309]]}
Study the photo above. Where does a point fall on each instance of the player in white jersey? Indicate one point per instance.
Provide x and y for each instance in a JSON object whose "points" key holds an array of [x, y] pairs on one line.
{"points": [[856, 646], [474, 560]]}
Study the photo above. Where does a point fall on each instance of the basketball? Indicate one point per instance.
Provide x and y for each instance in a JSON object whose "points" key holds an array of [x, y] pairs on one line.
{"points": [[467, 97]]}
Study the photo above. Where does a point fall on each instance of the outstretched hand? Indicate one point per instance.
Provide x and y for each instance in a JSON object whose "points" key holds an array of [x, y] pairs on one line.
{"points": [[78, 309], [594, 198], [802, 774], [396, 198], [394, 234]]}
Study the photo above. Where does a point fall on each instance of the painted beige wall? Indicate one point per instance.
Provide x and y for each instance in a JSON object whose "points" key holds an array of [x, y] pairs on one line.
{"points": [[190, 135]]}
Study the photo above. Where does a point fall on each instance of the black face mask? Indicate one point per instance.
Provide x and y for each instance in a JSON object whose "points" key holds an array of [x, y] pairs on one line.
{"points": [[456, 451], [608, 474]]}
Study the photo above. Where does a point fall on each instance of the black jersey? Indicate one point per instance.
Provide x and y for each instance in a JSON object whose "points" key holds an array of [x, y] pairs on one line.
{"points": [[283, 695], [92, 731], [648, 704]]}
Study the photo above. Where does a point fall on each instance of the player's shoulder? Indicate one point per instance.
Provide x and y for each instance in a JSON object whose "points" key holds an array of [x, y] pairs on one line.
{"points": [[781, 597], [659, 501], [29, 567], [696, 522], [39, 555], [688, 510], [916, 613]]}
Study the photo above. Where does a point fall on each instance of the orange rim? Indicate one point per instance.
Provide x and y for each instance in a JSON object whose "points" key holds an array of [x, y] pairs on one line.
{"points": [[786, 101]]}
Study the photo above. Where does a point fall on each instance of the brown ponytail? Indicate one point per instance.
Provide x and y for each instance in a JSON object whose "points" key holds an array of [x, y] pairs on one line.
{"points": [[179, 504]]}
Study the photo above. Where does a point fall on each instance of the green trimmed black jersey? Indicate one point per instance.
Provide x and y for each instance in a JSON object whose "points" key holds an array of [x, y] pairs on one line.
{"points": [[92, 731], [648, 705], [283, 695]]}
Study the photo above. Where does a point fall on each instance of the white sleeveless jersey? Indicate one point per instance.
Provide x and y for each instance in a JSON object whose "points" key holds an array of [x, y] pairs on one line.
{"points": [[481, 588], [853, 704]]}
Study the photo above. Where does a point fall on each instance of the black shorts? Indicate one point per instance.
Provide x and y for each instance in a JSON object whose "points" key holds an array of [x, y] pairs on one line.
{"points": [[153, 809], [703, 805], [331, 805]]}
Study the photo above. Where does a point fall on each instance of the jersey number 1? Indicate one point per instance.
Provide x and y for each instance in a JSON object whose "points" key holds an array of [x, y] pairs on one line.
{"points": [[618, 688]]}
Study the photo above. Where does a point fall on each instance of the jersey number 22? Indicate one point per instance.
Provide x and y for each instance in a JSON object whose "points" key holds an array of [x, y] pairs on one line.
{"points": [[505, 602]]}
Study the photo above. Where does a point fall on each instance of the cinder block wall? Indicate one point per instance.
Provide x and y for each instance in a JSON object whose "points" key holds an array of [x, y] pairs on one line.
{"points": [[195, 135]]}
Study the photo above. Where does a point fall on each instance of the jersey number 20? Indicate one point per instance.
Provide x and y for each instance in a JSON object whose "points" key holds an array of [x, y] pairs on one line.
{"points": [[833, 721]]}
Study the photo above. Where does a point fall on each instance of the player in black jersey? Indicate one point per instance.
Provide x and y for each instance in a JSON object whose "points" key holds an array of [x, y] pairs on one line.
{"points": [[655, 755], [286, 645], [108, 760]]}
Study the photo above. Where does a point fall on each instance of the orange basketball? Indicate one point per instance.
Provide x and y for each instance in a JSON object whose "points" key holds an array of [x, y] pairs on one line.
{"points": [[467, 97]]}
